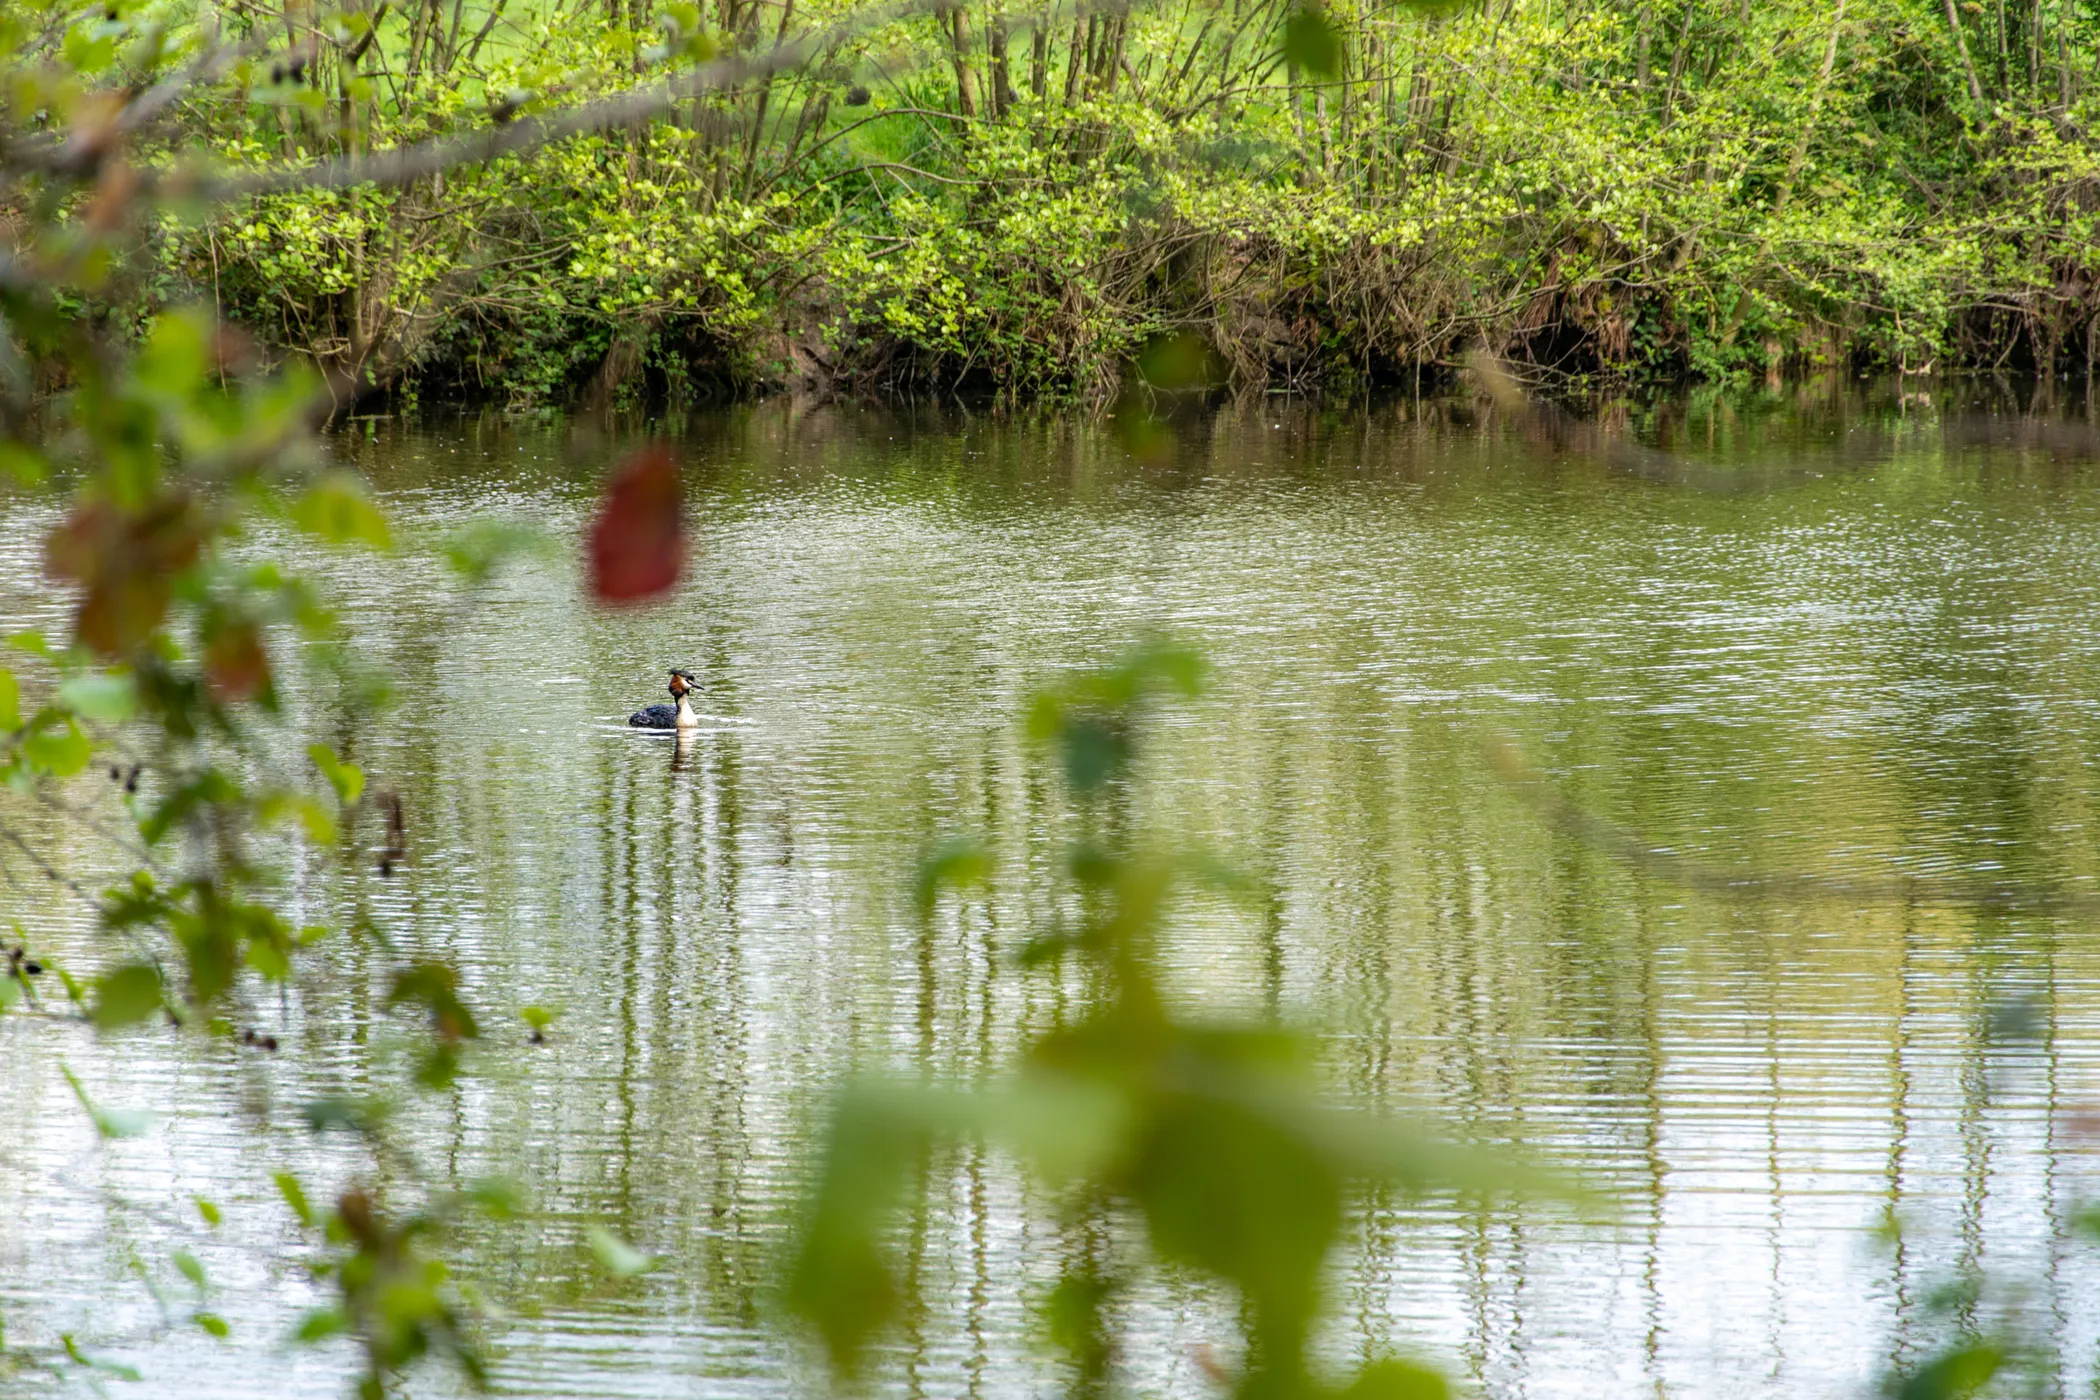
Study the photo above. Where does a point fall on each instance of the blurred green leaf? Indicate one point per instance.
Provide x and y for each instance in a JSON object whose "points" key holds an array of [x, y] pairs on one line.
{"points": [[1173, 363], [58, 747], [1397, 1380], [615, 1255], [1236, 1193], [172, 363], [107, 1368], [127, 995], [435, 987], [477, 550], [24, 463], [188, 1266], [497, 1196], [347, 779], [1311, 42], [275, 808], [337, 510], [1953, 1375], [10, 699], [99, 696], [955, 862], [1414, 1155], [212, 1323], [358, 1115], [268, 959], [1090, 715], [439, 1068], [109, 1122], [1067, 1127], [321, 1324], [839, 1276], [295, 1196], [208, 1211], [1141, 432], [1096, 748], [1074, 1322]]}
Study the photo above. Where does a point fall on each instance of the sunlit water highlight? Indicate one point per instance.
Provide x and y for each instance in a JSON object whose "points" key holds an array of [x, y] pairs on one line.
{"points": [[1822, 638]]}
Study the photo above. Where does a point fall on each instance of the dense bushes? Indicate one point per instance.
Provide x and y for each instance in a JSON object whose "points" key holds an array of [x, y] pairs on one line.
{"points": [[1021, 200]]}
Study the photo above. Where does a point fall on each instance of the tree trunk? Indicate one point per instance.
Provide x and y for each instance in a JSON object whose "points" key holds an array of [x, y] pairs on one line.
{"points": [[1815, 106], [965, 77], [2063, 64], [1082, 32], [1113, 40], [1961, 48], [1677, 58], [1039, 59], [765, 95], [1002, 86], [1643, 36], [2004, 54]]}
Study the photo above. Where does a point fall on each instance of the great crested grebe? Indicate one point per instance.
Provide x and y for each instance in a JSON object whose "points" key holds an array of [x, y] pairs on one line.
{"points": [[677, 715]]}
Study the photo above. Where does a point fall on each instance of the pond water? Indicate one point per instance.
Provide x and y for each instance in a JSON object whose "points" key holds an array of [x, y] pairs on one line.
{"points": [[1786, 934]]}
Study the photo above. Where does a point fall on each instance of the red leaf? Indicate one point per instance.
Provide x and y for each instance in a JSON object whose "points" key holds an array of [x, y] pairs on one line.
{"points": [[235, 664], [637, 545], [128, 560]]}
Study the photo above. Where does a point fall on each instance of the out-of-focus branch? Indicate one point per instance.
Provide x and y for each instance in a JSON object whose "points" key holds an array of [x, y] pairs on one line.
{"points": [[80, 150], [1692, 874]]}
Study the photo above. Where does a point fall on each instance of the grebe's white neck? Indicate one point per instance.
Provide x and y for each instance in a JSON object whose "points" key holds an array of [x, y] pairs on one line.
{"points": [[685, 718]]}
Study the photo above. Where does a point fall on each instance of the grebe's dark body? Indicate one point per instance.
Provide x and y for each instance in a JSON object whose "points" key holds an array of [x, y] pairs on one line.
{"points": [[676, 715]]}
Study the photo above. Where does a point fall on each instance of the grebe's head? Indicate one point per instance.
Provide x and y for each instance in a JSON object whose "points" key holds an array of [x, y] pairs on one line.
{"points": [[681, 682]]}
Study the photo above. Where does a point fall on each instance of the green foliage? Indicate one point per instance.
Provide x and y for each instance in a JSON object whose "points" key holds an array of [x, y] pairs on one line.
{"points": [[1312, 193], [1211, 1137], [537, 1020]]}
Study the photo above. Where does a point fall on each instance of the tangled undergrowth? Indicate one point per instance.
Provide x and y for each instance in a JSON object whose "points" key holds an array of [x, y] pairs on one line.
{"points": [[1023, 200]]}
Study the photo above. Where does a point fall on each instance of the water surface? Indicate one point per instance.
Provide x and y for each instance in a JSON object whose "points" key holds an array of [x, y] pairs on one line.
{"points": [[1795, 941]]}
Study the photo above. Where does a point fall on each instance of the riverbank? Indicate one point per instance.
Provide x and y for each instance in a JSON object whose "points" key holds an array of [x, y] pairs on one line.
{"points": [[1610, 194]]}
